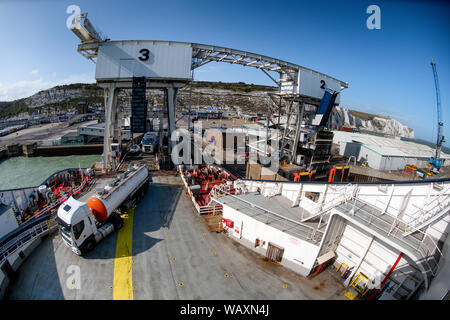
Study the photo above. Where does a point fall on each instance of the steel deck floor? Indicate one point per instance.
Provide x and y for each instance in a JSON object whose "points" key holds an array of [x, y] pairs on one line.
{"points": [[174, 257]]}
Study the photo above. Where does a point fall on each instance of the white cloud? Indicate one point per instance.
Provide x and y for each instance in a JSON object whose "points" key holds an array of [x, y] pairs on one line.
{"points": [[35, 71], [26, 88], [206, 69]]}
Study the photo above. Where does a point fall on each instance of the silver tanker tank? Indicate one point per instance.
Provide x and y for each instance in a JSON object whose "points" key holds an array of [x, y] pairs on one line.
{"points": [[102, 206]]}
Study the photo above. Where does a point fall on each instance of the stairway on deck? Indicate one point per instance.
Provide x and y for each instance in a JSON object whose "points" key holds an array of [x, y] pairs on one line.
{"points": [[417, 243]]}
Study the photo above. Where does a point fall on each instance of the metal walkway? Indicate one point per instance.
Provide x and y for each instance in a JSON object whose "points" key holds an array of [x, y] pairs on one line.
{"points": [[272, 212], [422, 245]]}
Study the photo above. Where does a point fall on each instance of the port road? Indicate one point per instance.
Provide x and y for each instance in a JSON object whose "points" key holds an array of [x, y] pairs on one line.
{"points": [[50, 131]]}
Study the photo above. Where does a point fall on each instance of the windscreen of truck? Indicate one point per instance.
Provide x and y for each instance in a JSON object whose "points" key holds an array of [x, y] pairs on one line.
{"points": [[148, 140], [64, 227]]}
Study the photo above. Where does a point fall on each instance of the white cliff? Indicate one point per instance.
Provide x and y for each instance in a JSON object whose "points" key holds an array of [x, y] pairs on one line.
{"points": [[342, 117]]}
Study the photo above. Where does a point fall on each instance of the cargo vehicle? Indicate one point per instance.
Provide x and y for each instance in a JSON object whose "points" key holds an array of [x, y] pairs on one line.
{"points": [[83, 224], [150, 142]]}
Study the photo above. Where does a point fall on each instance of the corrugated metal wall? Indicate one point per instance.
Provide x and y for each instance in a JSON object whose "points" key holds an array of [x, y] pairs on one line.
{"points": [[125, 59]]}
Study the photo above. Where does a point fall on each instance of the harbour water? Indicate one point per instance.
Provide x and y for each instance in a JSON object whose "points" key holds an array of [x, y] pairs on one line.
{"points": [[21, 172]]}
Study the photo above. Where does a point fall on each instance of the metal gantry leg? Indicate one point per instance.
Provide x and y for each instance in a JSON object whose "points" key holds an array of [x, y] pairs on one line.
{"points": [[171, 95], [301, 107], [110, 113]]}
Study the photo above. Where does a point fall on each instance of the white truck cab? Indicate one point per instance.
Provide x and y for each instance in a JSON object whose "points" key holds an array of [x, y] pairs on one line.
{"points": [[78, 228], [75, 223]]}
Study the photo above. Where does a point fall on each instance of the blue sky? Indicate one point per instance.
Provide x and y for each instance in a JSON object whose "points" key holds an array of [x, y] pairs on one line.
{"points": [[388, 70]]}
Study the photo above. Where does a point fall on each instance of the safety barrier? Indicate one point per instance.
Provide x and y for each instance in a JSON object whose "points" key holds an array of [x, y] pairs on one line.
{"points": [[208, 209], [393, 229], [61, 199], [345, 270], [302, 230], [26, 237], [435, 208], [31, 231], [361, 284], [23, 208]]}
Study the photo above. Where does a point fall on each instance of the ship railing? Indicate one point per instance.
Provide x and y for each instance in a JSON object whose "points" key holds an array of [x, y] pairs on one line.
{"points": [[428, 212], [61, 199], [202, 210], [406, 227], [25, 238], [52, 206], [211, 194], [392, 229], [303, 231], [341, 195], [188, 189], [219, 190], [395, 227], [211, 210]]}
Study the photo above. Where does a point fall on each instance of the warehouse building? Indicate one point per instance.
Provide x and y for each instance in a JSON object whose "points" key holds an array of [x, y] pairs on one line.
{"points": [[383, 153], [96, 131]]}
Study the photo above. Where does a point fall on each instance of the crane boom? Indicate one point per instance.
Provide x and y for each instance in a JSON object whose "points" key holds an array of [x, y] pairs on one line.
{"points": [[440, 138]]}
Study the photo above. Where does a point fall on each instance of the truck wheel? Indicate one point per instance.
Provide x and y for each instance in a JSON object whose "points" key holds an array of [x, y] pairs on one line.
{"points": [[88, 246], [118, 223]]}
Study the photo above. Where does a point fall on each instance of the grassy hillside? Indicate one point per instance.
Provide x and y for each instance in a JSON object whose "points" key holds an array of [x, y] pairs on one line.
{"points": [[233, 86], [94, 94], [12, 108]]}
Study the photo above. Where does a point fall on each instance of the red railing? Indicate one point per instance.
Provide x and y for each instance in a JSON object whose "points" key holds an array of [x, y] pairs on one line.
{"points": [[63, 196]]}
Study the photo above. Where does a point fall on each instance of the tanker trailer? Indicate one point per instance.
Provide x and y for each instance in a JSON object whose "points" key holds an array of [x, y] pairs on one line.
{"points": [[84, 224]]}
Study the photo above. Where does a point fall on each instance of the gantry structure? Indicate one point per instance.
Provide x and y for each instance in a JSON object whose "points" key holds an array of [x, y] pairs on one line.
{"points": [[169, 65]]}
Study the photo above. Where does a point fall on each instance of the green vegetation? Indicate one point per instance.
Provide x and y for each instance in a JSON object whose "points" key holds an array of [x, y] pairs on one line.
{"points": [[69, 103], [13, 108], [92, 94], [74, 86], [233, 86]]}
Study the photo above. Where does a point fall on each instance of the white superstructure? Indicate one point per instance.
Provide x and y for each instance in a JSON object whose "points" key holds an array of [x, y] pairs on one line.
{"points": [[373, 232]]}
